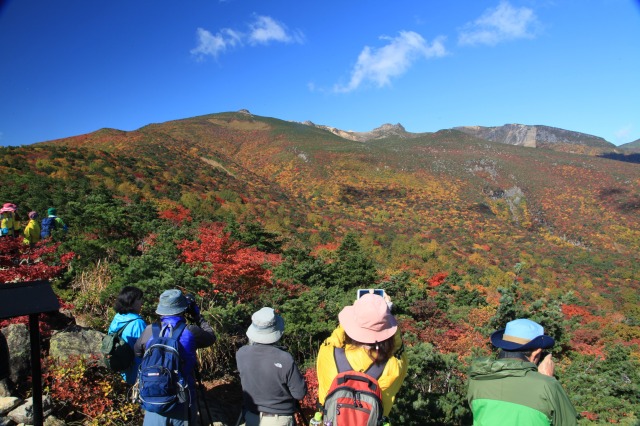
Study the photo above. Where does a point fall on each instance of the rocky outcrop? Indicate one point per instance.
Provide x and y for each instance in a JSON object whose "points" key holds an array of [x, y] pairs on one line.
{"points": [[15, 348], [534, 136], [23, 413], [15, 342], [74, 341], [384, 131]]}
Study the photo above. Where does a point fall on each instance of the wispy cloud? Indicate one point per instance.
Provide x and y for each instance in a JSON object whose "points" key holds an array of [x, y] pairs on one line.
{"points": [[499, 24], [266, 29], [624, 134], [379, 66], [263, 30]]}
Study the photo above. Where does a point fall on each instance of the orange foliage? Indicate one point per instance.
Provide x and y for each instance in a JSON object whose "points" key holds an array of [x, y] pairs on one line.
{"points": [[229, 266], [437, 279]]}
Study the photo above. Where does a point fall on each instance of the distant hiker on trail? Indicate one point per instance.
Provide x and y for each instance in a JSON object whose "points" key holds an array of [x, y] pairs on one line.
{"points": [[127, 306], [271, 382], [50, 223], [32, 230], [8, 222], [368, 336], [519, 388], [172, 308]]}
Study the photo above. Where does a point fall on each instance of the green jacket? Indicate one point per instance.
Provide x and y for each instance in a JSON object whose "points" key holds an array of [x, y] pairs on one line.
{"points": [[512, 392]]}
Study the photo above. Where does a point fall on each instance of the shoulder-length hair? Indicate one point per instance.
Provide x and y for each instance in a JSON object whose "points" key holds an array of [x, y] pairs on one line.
{"points": [[126, 300], [379, 351]]}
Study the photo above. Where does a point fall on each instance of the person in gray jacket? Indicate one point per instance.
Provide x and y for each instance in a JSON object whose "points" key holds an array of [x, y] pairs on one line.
{"points": [[271, 381]]}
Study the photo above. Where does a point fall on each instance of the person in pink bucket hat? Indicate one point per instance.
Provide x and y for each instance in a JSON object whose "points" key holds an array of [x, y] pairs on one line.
{"points": [[369, 334], [7, 219]]}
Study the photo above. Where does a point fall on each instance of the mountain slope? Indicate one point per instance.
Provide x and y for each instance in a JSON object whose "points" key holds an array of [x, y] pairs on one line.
{"points": [[398, 178], [631, 146]]}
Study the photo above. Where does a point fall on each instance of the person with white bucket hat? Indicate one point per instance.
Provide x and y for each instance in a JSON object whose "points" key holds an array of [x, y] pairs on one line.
{"points": [[271, 381]]}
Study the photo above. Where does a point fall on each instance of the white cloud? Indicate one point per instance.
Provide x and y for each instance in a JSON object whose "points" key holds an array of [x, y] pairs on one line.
{"points": [[213, 45], [262, 30], [265, 29], [378, 66], [624, 134], [503, 23]]}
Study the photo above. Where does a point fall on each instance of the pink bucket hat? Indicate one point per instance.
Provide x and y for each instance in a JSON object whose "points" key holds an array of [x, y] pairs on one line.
{"points": [[8, 207], [368, 320]]}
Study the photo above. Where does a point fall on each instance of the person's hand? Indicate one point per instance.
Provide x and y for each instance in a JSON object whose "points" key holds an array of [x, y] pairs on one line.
{"points": [[387, 299], [193, 310], [547, 366]]}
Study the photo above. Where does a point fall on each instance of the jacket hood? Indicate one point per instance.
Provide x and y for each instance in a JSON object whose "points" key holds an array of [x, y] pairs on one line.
{"points": [[120, 319], [490, 369]]}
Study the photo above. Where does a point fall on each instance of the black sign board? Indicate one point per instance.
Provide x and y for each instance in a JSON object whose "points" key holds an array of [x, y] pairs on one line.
{"points": [[33, 297]]}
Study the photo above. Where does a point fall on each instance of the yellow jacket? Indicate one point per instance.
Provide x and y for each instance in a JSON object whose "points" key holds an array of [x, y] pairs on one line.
{"points": [[390, 381], [7, 223], [32, 232]]}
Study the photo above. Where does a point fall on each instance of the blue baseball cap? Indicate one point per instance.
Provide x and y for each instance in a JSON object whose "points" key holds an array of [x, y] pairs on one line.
{"points": [[522, 335]]}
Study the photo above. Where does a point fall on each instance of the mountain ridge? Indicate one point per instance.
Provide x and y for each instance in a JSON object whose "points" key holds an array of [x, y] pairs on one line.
{"points": [[532, 136]]}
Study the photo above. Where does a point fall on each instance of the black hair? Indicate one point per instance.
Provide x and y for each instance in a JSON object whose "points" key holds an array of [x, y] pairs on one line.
{"points": [[379, 351], [127, 299]]}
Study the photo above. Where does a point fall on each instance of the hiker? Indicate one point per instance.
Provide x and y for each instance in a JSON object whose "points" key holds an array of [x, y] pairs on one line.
{"points": [[519, 387], [173, 307], [369, 334], [127, 306], [7, 220], [271, 381], [51, 222], [32, 230]]}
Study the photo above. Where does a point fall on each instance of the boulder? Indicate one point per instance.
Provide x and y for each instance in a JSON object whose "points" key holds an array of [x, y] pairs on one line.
{"points": [[53, 421], [24, 413], [18, 345], [75, 340], [8, 403], [6, 387]]}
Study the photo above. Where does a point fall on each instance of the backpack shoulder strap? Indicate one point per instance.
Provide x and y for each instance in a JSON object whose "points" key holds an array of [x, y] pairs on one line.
{"points": [[177, 331], [155, 328], [342, 363], [376, 369], [121, 329]]}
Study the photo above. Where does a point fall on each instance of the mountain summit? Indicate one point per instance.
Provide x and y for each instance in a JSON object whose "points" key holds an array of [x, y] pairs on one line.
{"points": [[384, 131]]}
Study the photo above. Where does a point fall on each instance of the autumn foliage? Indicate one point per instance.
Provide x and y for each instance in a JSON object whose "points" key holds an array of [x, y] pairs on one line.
{"points": [[229, 266]]}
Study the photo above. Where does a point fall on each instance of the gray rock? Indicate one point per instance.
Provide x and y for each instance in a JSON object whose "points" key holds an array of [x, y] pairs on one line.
{"points": [[18, 345], [6, 387], [24, 413], [75, 340], [6, 421], [53, 421], [8, 403]]}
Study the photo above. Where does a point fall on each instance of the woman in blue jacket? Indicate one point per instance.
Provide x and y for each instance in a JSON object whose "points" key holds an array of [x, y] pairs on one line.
{"points": [[127, 307]]}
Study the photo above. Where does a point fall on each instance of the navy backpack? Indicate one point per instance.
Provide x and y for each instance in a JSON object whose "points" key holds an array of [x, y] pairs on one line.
{"points": [[161, 384]]}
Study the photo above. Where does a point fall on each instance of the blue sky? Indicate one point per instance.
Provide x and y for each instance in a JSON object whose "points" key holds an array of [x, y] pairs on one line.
{"points": [[69, 67]]}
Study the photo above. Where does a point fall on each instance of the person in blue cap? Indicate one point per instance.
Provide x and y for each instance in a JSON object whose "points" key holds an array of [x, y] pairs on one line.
{"points": [[519, 387]]}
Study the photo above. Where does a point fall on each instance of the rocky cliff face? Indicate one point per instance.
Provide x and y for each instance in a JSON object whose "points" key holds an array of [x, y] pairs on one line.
{"points": [[534, 136]]}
